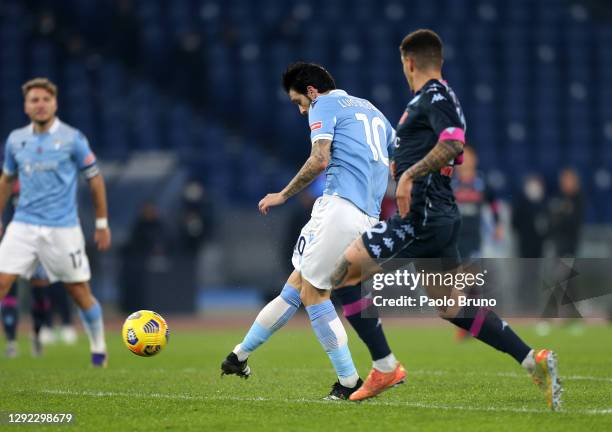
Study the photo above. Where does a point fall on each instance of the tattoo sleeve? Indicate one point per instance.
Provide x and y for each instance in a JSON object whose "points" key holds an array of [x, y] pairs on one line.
{"points": [[439, 156], [314, 165]]}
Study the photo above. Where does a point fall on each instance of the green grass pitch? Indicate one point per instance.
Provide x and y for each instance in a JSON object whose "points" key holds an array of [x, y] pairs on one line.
{"points": [[450, 386]]}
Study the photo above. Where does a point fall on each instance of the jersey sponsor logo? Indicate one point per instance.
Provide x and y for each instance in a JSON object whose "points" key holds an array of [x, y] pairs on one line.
{"points": [[30, 167], [89, 159], [316, 125], [437, 98]]}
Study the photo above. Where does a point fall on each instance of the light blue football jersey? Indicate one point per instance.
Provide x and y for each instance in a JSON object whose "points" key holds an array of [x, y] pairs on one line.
{"points": [[48, 166], [361, 140]]}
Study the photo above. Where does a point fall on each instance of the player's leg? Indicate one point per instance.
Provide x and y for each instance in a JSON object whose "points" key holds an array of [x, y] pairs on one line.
{"points": [[485, 325], [336, 223], [355, 265], [17, 257], [10, 319], [333, 338], [90, 312], [278, 312], [271, 318], [41, 307], [62, 254]]}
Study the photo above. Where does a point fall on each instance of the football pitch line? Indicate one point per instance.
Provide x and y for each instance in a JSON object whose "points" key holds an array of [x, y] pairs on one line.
{"points": [[170, 396], [509, 375], [432, 373]]}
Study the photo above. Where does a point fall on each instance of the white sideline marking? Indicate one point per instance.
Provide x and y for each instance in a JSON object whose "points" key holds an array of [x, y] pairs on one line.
{"points": [[507, 375], [170, 396], [424, 372]]}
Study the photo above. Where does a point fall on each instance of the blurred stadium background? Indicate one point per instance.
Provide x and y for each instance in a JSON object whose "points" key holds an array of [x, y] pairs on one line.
{"points": [[182, 103]]}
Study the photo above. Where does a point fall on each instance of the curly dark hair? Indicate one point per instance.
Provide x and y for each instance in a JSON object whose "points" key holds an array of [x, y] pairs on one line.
{"points": [[300, 75]]}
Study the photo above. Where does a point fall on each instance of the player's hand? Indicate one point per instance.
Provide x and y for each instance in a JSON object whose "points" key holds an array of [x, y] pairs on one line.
{"points": [[1, 230], [403, 195], [271, 200], [102, 237]]}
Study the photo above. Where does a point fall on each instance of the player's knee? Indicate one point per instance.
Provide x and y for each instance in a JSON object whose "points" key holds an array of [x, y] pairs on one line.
{"points": [[81, 294], [311, 295]]}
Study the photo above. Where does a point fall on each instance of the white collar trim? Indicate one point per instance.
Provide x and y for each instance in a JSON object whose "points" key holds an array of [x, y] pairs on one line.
{"points": [[54, 127]]}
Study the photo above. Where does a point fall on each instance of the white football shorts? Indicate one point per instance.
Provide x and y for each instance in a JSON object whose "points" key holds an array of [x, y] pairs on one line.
{"points": [[60, 251], [334, 223]]}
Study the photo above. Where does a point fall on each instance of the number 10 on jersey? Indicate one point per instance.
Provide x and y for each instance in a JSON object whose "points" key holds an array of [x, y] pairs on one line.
{"points": [[372, 130]]}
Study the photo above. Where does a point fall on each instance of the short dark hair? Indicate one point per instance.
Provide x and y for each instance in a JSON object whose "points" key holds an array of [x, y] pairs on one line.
{"points": [[43, 83], [300, 75], [425, 46]]}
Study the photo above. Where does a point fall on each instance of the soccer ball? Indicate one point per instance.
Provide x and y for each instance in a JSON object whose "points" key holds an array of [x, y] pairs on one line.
{"points": [[145, 333]]}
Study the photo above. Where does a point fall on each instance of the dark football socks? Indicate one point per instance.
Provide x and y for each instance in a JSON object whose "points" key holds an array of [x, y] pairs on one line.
{"points": [[41, 307], [370, 330], [485, 325], [10, 316]]}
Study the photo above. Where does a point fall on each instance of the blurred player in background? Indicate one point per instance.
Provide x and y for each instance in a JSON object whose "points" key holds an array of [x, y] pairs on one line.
{"points": [[60, 307], [530, 218], [567, 215], [350, 141], [40, 309], [47, 156], [471, 194], [430, 139]]}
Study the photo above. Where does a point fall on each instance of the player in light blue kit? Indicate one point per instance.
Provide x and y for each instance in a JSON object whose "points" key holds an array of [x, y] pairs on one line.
{"points": [[350, 142], [48, 157]]}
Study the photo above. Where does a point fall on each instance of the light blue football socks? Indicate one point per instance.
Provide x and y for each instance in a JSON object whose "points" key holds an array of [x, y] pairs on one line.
{"points": [[332, 335], [272, 317], [94, 327]]}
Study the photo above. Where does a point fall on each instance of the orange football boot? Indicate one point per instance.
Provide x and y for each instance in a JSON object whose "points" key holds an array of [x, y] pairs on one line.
{"points": [[377, 382]]}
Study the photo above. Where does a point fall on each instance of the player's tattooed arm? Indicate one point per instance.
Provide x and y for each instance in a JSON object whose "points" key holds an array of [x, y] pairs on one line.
{"points": [[315, 165], [439, 156]]}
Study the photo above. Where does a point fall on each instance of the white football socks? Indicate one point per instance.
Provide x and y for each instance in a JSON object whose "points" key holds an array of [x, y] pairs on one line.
{"points": [[386, 364], [529, 362]]}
